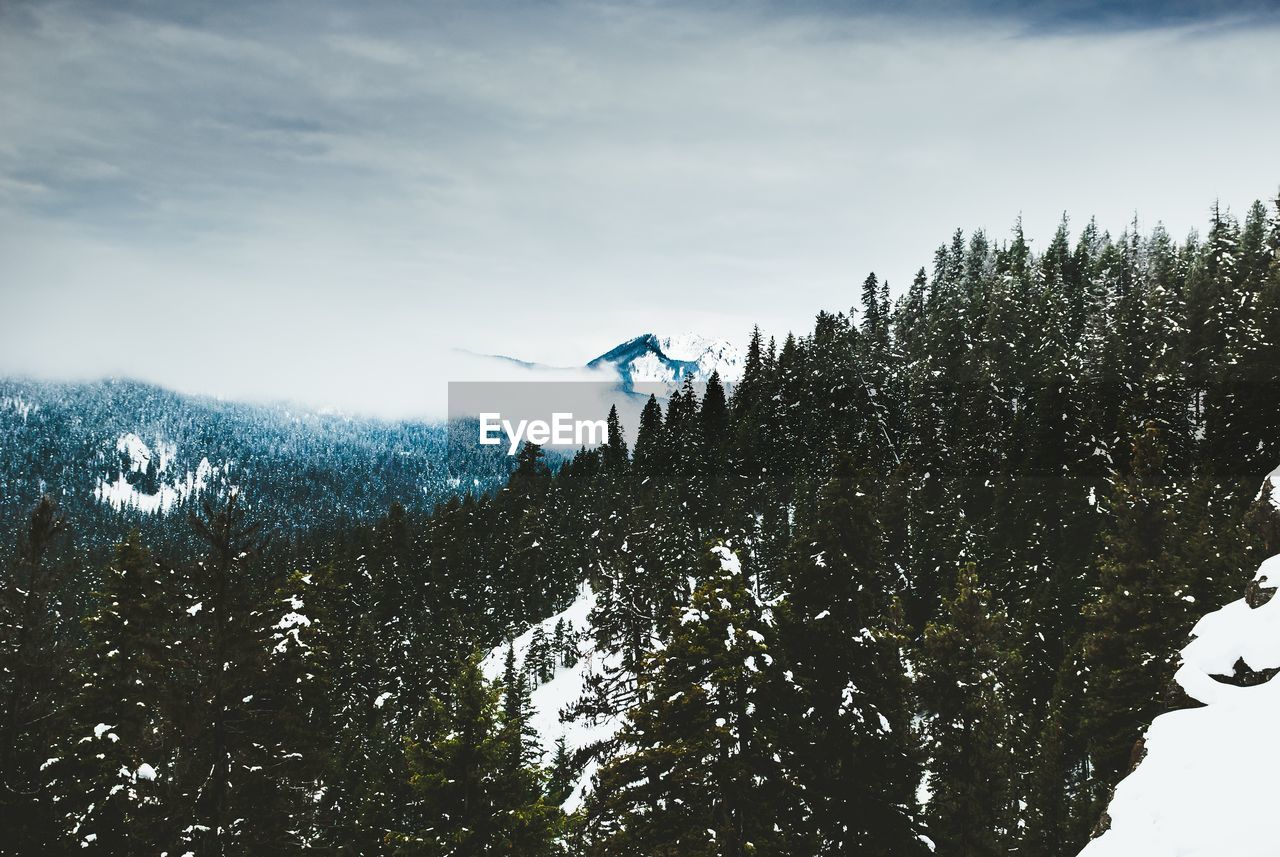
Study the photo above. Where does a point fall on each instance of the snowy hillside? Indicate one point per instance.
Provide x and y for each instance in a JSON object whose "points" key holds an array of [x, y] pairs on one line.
{"points": [[566, 687], [1206, 787], [118, 454]]}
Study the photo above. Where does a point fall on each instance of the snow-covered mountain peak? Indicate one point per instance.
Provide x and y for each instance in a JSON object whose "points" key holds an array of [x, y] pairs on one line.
{"points": [[668, 360]]}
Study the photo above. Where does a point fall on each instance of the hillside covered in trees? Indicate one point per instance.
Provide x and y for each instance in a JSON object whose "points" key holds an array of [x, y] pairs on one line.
{"points": [[915, 584], [119, 455]]}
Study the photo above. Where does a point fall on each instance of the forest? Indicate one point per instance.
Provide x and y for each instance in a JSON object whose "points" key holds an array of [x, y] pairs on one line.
{"points": [[916, 584]]}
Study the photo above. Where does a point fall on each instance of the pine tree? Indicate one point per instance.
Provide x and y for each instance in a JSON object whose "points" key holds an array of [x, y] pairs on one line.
{"points": [[234, 766], [1136, 620], [563, 775], [474, 800], [695, 773], [648, 457], [965, 668], [850, 743], [114, 780], [34, 660], [614, 452], [1060, 808]]}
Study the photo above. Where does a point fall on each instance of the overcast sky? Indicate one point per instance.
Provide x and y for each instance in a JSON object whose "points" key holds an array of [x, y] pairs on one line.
{"points": [[317, 201]]}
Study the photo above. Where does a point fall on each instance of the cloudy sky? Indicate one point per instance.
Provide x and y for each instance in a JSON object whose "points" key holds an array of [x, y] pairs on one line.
{"points": [[319, 201]]}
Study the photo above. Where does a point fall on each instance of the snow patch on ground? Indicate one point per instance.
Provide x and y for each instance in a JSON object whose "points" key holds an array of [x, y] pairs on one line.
{"points": [[565, 688], [138, 457], [1207, 785], [18, 405]]}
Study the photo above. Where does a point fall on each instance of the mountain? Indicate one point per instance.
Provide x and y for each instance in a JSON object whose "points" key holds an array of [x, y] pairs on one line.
{"points": [[668, 360], [647, 359], [116, 454]]}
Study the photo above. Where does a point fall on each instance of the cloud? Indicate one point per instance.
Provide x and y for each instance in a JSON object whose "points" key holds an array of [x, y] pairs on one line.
{"points": [[320, 201]]}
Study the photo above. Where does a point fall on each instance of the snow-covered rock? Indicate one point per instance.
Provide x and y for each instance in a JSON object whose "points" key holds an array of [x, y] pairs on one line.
{"points": [[1206, 787]]}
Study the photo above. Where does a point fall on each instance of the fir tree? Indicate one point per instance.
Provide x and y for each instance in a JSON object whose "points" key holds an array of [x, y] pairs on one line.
{"points": [[965, 668], [695, 773], [474, 801], [1136, 620], [115, 779], [849, 740], [34, 660], [235, 763], [614, 452]]}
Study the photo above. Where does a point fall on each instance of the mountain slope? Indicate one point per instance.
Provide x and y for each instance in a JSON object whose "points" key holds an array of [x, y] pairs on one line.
{"points": [[565, 687]]}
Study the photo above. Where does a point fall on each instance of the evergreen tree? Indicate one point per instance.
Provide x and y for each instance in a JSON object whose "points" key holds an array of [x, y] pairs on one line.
{"points": [[234, 762], [1137, 619], [1060, 803], [695, 773], [614, 452], [474, 800], [965, 669], [34, 660], [648, 457], [114, 780], [849, 740]]}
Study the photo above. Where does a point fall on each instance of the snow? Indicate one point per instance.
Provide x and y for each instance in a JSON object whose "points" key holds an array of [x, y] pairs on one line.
{"points": [[145, 772], [138, 453], [1274, 478], [569, 684], [565, 688], [1206, 787], [289, 626], [382, 699], [18, 405], [120, 493], [711, 355]]}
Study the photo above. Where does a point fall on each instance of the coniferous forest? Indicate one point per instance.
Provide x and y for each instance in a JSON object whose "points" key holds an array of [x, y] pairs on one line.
{"points": [[916, 584]]}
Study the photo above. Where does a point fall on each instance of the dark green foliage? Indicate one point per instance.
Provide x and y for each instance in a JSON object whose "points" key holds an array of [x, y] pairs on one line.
{"points": [[476, 794], [35, 656], [1138, 616], [844, 703], [114, 776], [695, 773], [965, 668]]}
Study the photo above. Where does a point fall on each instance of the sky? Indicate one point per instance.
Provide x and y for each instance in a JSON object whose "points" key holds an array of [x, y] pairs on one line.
{"points": [[329, 202]]}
